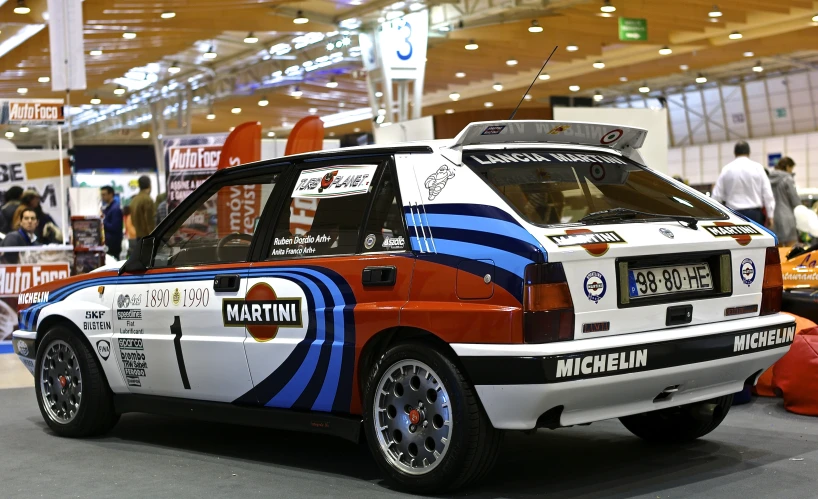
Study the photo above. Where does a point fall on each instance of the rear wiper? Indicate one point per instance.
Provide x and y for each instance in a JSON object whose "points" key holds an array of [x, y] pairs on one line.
{"points": [[620, 213]]}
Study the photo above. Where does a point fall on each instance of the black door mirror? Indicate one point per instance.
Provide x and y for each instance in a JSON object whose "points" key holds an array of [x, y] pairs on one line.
{"points": [[140, 257]]}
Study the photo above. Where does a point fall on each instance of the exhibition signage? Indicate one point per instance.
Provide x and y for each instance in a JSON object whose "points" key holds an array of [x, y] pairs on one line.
{"points": [[65, 45], [42, 264], [402, 46], [633, 29], [31, 112], [42, 176], [190, 160]]}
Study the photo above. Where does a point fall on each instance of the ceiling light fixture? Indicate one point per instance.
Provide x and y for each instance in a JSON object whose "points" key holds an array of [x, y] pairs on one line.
{"points": [[210, 54], [607, 7], [342, 104], [535, 27], [599, 65], [96, 100], [644, 88], [488, 104], [300, 19], [129, 35], [454, 96], [573, 88], [378, 94], [236, 110], [758, 67], [701, 78], [174, 68], [749, 54], [545, 76], [312, 110], [168, 14], [23, 129], [815, 18], [511, 62], [460, 75], [472, 45], [450, 111], [684, 67], [623, 78], [211, 116], [22, 90], [571, 48], [9, 134], [95, 52], [598, 96], [119, 90], [271, 134], [21, 8], [332, 83], [146, 135], [715, 12], [251, 38], [263, 102], [735, 35], [44, 79], [497, 86], [665, 50], [297, 93]]}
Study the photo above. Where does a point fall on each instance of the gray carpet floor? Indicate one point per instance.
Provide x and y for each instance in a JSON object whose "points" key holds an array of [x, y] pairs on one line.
{"points": [[760, 451]]}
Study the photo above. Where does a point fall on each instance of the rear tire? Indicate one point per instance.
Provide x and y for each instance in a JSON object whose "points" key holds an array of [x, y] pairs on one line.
{"points": [[72, 393], [679, 424], [415, 382]]}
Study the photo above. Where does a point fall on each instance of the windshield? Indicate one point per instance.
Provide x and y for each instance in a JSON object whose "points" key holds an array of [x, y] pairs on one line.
{"points": [[549, 187]]}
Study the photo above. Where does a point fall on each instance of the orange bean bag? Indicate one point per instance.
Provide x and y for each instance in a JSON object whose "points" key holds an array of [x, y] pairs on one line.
{"points": [[765, 386], [795, 376]]}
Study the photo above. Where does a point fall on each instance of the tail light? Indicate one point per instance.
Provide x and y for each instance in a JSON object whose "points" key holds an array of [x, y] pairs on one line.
{"points": [[773, 286], [548, 312]]}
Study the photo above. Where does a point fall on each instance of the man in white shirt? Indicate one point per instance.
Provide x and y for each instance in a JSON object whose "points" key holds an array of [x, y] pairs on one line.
{"points": [[744, 187]]}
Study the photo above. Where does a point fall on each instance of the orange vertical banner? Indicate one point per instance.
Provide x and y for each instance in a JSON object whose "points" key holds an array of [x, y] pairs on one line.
{"points": [[307, 136], [240, 205]]}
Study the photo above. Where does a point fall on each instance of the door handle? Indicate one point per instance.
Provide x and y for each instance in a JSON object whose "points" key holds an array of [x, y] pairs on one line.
{"points": [[226, 282], [379, 276]]}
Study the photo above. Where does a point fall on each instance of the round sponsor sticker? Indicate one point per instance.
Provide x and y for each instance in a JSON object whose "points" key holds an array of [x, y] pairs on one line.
{"points": [[748, 271], [370, 240], [595, 286], [597, 172], [22, 348], [123, 301], [611, 136]]}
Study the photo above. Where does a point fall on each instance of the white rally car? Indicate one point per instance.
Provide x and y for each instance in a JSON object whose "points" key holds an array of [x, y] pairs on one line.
{"points": [[527, 274]]}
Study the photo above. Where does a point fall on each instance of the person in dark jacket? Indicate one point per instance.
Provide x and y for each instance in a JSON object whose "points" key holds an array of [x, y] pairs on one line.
{"points": [[47, 230], [25, 235], [9, 207], [112, 221], [786, 199]]}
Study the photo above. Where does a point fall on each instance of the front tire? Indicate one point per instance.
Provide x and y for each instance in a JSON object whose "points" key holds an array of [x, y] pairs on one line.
{"points": [[423, 422], [72, 393], [679, 424]]}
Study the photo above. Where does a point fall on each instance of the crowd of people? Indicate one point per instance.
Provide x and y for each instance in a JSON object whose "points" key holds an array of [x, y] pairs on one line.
{"points": [[765, 197], [24, 223]]}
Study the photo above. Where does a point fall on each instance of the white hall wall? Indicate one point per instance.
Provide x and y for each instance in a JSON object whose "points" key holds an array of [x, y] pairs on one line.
{"points": [[701, 164]]}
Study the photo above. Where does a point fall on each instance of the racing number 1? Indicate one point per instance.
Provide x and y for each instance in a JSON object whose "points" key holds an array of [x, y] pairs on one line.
{"points": [[176, 331]]}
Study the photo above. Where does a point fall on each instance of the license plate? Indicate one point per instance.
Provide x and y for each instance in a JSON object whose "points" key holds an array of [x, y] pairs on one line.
{"points": [[653, 281]]}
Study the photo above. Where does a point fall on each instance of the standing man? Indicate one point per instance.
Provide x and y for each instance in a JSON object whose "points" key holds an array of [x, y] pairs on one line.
{"points": [[111, 221], [744, 187], [7, 212], [25, 235], [143, 209]]}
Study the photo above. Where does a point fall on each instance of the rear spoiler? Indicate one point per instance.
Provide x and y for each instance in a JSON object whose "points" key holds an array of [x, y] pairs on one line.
{"points": [[621, 138]]}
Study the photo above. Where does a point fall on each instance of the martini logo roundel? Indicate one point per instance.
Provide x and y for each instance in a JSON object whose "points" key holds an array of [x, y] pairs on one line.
{"points": [[262, 312], [611, 136]]}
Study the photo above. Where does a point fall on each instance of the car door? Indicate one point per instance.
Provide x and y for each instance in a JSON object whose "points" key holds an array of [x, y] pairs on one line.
{"points": [[169, 338], [338, 271]]}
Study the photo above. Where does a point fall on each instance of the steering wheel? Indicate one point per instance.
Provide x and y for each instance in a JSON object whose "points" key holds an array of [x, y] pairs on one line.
{"points": [[228, 239]]}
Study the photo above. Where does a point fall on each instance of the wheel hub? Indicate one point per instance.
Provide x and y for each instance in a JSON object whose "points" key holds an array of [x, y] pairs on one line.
{"points": [[413, 417]]}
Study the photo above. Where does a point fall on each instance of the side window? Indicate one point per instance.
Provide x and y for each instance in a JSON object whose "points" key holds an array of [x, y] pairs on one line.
{"points": [[325, 212], [219, 227], [385, 230]]}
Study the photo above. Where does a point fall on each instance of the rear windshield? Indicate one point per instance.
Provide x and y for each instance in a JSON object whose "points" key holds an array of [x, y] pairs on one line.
{"points": [[561, 187]]}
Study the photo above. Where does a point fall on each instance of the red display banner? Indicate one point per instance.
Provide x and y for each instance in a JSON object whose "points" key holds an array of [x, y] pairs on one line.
{"points": [[240, 205]]}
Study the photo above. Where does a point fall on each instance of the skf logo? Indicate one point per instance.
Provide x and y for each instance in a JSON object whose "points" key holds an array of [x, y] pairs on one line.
{"points": [[741, 233], [595, 243], [262, 312]]}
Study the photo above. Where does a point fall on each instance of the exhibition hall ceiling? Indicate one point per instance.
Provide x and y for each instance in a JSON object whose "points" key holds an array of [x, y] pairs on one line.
{"points": [[234, 59]]}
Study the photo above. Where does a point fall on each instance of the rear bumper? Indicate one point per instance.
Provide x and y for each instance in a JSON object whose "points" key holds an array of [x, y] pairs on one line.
{"points": [[617, 376], [24, 346]]}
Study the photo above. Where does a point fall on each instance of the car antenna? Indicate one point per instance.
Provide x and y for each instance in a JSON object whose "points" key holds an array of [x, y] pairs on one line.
{"points": [[532, 84]]}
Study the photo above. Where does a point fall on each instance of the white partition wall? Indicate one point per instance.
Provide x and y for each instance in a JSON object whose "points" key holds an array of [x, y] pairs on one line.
{"points": [[655, 150]]}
